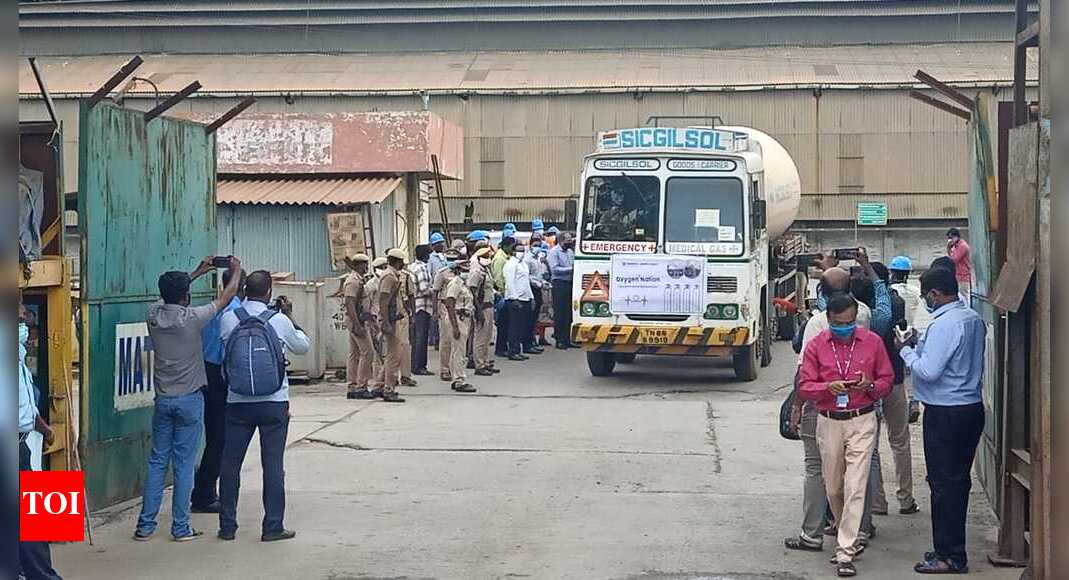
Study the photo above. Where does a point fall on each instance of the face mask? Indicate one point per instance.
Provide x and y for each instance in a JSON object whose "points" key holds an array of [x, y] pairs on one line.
{"points": [[929, 304], [844, 331], [379, 273], [450, 264], [464, 275]]}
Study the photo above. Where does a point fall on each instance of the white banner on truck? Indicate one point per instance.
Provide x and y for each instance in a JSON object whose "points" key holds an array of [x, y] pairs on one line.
{"points": [[657, 285]]}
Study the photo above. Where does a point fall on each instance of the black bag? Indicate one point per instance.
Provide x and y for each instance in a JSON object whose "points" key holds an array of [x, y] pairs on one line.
{"points": [[785, 429]]}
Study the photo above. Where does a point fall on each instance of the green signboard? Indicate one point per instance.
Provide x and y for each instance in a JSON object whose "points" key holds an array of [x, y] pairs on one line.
{"points": [[871, 213]]}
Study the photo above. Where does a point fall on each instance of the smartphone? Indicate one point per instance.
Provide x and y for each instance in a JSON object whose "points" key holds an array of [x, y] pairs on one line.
{"points": [[904, 335], [845, 253], [221, 261]]}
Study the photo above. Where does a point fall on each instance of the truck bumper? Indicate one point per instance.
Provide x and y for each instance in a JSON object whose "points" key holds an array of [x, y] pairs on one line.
{"points": [[693, 341]]}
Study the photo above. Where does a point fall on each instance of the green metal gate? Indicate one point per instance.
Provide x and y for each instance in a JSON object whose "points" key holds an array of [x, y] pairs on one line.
{"points": [[146, 195]]}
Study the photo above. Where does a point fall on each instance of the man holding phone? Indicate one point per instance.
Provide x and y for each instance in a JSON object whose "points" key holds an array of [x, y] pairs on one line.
{"points": [[845, 371]]}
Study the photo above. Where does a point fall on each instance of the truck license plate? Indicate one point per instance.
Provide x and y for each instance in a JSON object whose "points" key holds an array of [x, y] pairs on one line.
{"points": [[654, 336]]}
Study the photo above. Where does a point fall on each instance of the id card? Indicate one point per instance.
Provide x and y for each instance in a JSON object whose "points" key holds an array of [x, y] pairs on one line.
{"points": [[841, 401]]}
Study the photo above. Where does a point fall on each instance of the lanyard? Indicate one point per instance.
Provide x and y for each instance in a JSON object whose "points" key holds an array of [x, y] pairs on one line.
{"points": [[843, 370]]}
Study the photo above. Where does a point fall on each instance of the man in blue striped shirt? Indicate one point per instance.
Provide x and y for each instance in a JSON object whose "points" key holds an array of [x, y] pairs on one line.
{"points": [[947, 367]]}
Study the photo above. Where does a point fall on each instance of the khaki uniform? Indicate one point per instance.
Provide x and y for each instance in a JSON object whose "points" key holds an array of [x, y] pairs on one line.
{"points": [[481, 285], [361, 352], [404, 298], [390, 284], [445, 353], [457, 289], [371, 305]]}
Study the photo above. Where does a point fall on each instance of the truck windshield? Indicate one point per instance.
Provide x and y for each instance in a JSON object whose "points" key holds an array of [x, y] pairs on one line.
{"points": [[622, 208], [705, 210]]}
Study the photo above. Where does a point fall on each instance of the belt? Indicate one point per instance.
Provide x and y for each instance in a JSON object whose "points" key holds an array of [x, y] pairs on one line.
{"points": [[847, 415]]}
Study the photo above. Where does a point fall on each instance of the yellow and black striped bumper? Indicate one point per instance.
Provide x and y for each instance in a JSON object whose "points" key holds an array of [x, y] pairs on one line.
{"points": [[623, 338]]}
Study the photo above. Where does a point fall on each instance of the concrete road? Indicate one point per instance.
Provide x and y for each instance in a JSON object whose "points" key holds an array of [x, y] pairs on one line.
{"points": [[670, 469]]}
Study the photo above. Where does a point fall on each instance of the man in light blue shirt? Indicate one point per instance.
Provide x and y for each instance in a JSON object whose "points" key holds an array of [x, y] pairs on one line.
{"points": [[561, 262], [245, 414], [947, 367], [205, 497]]}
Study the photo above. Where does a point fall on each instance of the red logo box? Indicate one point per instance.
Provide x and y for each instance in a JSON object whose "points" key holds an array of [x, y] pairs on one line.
{"points": [[51, 506]]}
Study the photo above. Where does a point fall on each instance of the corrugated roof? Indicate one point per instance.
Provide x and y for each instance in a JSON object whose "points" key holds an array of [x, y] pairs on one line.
{"points": [[166, 13], [900, 206], [326, 191], [977, 64]]}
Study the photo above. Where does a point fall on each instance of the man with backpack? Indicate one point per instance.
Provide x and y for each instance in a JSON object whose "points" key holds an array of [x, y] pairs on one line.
{"points": [[256, 337], [179, 377]]}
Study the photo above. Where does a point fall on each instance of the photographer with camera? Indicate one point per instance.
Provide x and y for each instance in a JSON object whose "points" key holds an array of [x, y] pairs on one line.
{"points": [[256, 337]]}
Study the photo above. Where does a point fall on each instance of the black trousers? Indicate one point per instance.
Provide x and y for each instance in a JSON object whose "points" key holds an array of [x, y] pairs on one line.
{"points": [[501, 319], [562, 311], [951, 435], [420, 339], [204, 482], [242, 419], [519, 325], [35, 558], [536, 310]]}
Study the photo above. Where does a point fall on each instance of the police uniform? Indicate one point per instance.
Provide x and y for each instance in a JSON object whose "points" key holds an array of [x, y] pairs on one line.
{"points": [[361, 352], [390, 287], [371, 306], [482, 290], [457, 290], [405, 296], [441, 280]]}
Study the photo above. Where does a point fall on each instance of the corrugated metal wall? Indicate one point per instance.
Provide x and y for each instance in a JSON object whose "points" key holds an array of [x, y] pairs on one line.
{"points": [[870, 141], [279, 238]]}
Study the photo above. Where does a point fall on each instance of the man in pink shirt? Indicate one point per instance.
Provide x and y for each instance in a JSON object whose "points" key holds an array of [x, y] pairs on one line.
{"points": [[845, 372], [958, 250]]}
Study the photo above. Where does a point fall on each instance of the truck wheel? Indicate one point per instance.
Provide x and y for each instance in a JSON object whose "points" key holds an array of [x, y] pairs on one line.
{"points": [[601, 364], [745, 361], [626, 358]]}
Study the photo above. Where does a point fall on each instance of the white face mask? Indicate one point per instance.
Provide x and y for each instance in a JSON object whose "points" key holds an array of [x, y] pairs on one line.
{"points": [[484, 262], [379, 272]]}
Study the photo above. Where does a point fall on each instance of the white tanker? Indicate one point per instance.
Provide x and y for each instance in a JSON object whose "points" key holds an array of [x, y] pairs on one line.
{"points": [[673, 250]]}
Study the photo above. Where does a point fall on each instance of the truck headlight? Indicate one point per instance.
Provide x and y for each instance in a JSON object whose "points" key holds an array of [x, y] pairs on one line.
{"points": [[712, 312], [730, 311], [588, 309], [603, 309]]}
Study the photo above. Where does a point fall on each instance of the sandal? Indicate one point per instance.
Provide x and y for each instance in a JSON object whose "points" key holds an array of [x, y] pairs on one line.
{"points": [[846, 570], [797, 543], [936, 566]]}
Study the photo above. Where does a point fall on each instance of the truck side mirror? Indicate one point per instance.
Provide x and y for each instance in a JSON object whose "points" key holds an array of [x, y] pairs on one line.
{"points": [[759, 215]]}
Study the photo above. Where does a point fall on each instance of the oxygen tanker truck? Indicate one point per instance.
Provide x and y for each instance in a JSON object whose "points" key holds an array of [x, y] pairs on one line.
{"points": [[676, 227]]}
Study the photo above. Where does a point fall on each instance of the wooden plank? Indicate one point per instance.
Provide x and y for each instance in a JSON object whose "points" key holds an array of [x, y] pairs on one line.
{"points": [[951, 93], [126, 70], [172, 101], [1022, 205], [940, 105], [44, 273]]}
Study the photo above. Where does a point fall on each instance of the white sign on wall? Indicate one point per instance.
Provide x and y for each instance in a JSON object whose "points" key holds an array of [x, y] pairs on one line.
{"points": [[134, 361], [657, 284], [278, 142]]}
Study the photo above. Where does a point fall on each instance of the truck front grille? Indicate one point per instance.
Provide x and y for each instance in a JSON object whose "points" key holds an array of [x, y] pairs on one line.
{"points": [[726, 284]]}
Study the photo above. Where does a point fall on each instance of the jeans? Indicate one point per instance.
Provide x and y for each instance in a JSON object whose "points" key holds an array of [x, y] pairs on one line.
{"points": [[951, 435], [242, 419], [35, 558], [814, 498], [562, 311], [177, 423], [421, 327], [204, 483], [519, 325], [501, 318]]}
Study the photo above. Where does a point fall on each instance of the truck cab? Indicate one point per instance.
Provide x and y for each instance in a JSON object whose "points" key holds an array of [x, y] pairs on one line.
{"points": [[672, 248]]}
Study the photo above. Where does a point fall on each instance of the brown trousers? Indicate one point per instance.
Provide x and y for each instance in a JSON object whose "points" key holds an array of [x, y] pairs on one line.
{"points": [[358, 366], [404, 334], [458, 360], [484, 333], [392, 365], [846, 452]]}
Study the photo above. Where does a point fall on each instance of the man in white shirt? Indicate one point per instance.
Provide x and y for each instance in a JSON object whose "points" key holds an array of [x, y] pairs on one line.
{"points": [[518, 298], [267, 413]]}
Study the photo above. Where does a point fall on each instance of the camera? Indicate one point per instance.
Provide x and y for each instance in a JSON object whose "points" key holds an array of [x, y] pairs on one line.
{"points": [[221, 262]]}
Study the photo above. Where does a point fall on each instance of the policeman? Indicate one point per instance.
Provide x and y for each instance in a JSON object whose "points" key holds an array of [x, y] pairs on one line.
{"points": [[482, 290], [361, 351], [391, 312], [407, 300], [371, 306], [438, 285], [459, 308]]}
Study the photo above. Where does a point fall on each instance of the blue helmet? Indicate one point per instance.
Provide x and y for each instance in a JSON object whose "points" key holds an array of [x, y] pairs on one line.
{"points": [[477, 236], [437, 238], [901, 263], [509, 227], [536, 224], [553, 230]]}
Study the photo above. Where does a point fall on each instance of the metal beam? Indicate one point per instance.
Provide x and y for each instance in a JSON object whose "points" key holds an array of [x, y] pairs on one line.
{"points": [[227, 116], [941, 105], [1029, 37], [172, 101], [126, 70], [1020, 64], [51, 106], [952, 94]]}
